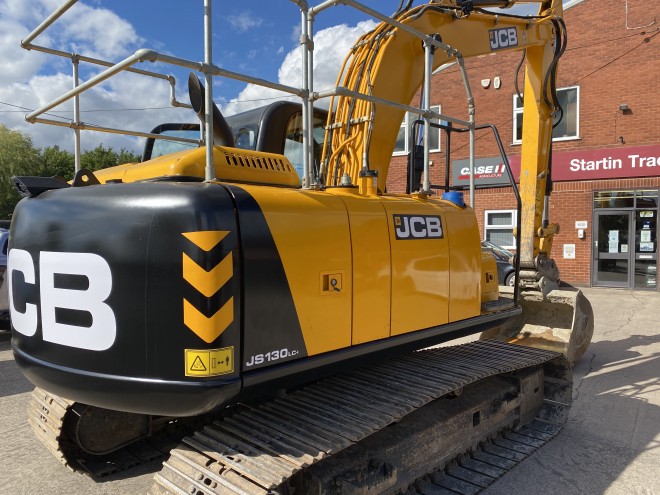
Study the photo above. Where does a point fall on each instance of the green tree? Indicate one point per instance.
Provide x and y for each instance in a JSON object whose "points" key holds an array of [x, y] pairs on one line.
{"points": [[17, 157], [126, 156], [57, 162], [97, 158], [102, 157]]}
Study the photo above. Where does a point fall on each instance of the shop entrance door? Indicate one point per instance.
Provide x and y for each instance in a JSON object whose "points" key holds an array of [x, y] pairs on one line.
{"points": [[646, 250], [612, 249]]}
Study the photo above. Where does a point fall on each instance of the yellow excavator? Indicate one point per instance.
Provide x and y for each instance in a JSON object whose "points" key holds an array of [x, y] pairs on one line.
{"points": [[273, 318]]}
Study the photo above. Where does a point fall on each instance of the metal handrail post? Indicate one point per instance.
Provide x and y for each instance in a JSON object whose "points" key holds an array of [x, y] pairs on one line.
{"points": [[471, 124], [428, 69], [307, 61], [309, 151], [208, 77], [304, 47], [76, 114]]}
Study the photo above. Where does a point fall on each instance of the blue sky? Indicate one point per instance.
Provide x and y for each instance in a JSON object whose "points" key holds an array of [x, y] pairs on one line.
{"points": [[258, 38]]}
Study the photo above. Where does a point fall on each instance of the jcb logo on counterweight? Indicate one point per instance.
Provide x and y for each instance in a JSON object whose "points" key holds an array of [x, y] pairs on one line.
{"points": [[503, 38], [101, 330], [208, 283], [417, 227]]}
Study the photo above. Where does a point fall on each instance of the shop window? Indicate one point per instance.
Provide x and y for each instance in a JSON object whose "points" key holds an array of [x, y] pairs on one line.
{"points": [[646, 199], [499, 226], [614, 199], [402, 146], [626, 199], [569, 126]]}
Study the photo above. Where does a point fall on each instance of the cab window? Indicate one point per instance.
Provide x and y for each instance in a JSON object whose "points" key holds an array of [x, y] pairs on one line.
{"points": [[293, 148]]}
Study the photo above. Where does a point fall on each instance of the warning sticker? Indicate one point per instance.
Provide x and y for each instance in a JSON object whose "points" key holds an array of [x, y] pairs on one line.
{"points": [[209, 362]]}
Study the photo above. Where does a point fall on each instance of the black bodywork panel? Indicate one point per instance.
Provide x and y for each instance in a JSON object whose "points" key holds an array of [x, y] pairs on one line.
{"points": [[138, 229]]}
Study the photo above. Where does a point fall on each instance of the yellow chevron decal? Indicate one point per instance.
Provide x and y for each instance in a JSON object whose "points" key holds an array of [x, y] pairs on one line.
{"points": [[208, 329], [206, 239], [208, 283]]}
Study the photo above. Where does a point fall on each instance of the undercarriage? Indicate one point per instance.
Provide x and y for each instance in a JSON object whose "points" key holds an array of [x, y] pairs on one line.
{"points": [[453, 417]]}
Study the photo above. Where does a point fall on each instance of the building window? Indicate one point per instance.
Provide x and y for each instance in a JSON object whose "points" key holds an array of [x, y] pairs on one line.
{"points": [[640, 199], [567, 129], [499, 226], [402, 146]]}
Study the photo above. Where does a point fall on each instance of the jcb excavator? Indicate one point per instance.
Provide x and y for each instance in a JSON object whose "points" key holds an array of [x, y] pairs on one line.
{"points": [[286, 312]]}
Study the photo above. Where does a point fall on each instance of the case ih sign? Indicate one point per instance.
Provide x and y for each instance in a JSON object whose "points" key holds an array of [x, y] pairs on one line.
{"points": [[608, 163]]}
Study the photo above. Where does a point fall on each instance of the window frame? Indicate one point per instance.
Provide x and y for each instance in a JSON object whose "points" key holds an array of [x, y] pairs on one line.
{"points": [[507, 227], [518, 111], [406, 123]]}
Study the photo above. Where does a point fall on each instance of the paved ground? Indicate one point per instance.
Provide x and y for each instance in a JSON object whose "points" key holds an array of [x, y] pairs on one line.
{"points": [[611, 444]]}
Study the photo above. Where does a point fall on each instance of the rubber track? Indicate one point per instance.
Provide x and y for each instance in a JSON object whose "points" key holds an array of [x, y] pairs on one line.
{"points": [[260, 448], [47, 416]]}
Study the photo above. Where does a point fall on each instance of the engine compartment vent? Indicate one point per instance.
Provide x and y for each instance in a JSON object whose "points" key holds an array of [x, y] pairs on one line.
{"points": [[238, 165]]}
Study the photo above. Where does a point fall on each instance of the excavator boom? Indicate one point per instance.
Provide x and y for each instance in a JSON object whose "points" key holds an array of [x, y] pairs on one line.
{"points": [[363, 132]]}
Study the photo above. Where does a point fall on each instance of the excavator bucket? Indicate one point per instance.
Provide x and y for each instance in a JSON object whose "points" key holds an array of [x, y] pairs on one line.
{"points": [[563, 321]]}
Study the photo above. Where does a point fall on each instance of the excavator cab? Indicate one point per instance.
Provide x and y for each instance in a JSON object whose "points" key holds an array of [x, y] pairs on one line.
{"points": [[274, 128]]}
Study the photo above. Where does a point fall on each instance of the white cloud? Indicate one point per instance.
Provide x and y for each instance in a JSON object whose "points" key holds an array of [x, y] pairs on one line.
{"points": [[123, 92], [331, 45], [295, 33], [244, 21], [16, 63], [99, 33], [31, 79]]}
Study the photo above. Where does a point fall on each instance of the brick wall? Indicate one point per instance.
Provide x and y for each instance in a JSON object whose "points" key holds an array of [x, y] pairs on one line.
{"points": [[612, 64]]}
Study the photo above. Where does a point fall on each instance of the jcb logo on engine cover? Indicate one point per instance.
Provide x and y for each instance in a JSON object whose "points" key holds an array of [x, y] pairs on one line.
{"points": [[503, 38], [417, 227], [86, 300]]}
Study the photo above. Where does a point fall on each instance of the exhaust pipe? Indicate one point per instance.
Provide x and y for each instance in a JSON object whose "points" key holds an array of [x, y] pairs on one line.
{"points": [[222, 134]]}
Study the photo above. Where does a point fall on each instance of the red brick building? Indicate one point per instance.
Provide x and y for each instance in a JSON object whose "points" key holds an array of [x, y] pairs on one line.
{"points": [[606, 152]]}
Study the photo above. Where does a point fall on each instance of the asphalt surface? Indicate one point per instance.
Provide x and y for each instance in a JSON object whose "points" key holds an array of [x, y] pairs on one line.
{"points": [[610, 445]]}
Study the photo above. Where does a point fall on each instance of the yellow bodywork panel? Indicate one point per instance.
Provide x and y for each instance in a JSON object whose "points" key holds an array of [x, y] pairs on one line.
{"points": [[464, 262], [489, 282], [364, 268], [370, 245], [231, 165], [311, 232], [420, 266]]}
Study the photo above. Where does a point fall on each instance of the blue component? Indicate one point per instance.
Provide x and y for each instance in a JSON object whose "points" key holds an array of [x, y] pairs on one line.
{"points": [[455, 197]]}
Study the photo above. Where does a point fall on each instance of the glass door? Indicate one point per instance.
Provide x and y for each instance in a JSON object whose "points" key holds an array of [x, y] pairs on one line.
{"points": [[612, 249], [646, 250]]}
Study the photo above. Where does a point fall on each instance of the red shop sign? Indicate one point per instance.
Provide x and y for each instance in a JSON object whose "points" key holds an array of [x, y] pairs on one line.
{"points": [[604, 163]]}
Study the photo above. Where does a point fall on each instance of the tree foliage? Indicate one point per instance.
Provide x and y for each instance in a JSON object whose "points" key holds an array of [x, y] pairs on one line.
{"points": [[57, 162], [18, 157]]}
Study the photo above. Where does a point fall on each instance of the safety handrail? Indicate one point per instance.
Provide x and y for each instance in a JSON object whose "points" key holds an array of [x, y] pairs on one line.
{"points": [[305, 92]]}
